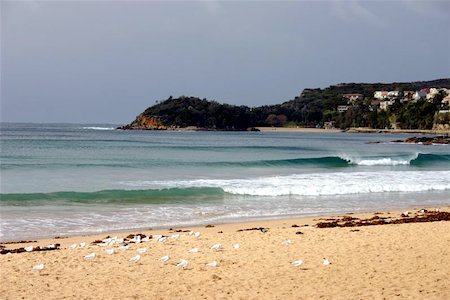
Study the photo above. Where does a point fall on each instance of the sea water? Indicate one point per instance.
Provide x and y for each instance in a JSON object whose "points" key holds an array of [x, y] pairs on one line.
{"points": [[66, 179]]}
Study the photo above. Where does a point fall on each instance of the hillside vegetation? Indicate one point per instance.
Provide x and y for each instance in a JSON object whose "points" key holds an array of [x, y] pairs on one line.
{"points": [[312, 108]]}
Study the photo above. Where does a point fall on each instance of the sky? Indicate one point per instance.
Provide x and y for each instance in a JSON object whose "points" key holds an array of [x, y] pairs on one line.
{"points": [[107, 61]]}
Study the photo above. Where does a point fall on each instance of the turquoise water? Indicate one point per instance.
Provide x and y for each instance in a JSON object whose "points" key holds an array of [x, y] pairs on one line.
{"points": [[63, 179]]}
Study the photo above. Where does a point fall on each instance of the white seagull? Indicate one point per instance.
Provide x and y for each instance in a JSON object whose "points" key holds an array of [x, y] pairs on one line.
{"points": [[164, 258], [157, 236], [326, 262], [213, 264], [183, 263], [38, 267], [141, 250], [236, 246], [90, 256], [297, 263], [82, 245], [51, 246], [194, 250], [136, 239], [217, 247], [286, 242], [107, 241], [29, 248], [197, 234], [135, 258], [162, 239], [109, 251], [124, 247]]}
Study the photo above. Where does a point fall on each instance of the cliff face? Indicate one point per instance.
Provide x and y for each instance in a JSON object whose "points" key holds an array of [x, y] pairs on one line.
{"points": [[145, 123]]}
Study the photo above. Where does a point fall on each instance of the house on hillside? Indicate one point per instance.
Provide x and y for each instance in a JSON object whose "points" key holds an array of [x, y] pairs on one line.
{"points": [[385, 104], [342, 108], [353, 98], [419, 94], [408, 96], [380, 95], [431, 93], [393, 94]]}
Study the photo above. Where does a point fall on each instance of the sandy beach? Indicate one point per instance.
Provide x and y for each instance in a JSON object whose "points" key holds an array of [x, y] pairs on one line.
{"points": [[395, 261]]}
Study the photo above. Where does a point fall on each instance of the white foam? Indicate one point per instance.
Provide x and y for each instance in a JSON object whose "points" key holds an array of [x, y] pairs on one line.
{"points": [[318, 184], [380, 161], [99, 128]]}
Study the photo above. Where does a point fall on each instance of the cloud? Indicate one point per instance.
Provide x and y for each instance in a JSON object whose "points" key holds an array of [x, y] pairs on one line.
{"points": [[355, 10], [437, 9]]}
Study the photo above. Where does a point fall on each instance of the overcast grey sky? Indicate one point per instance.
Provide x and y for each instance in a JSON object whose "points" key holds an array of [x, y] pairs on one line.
{"points": [[106, 61]]}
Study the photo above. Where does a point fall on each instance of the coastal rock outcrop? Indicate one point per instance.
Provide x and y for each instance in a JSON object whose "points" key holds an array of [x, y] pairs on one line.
{"points": [[144, 123], [426, 140]]}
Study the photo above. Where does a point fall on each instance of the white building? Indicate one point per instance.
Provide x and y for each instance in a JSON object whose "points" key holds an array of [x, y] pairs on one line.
{"points": [[393, 94], [342, 108], [385, 104], [380, 95], [419, 94]]}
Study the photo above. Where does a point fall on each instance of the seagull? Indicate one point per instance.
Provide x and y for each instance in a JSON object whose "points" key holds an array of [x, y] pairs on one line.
{"points": [[297, 263], [162, 239], [175, 236], [286, 242], [38, 267], [51, 246], [197, 234], [194, 250], [157, 236], [326, 262], [82, 245], [136, 239], [107, 241], [124, 247], [141, 250], [90, 256], [217, 247], [183, 263], [135, 258], [164, 258], [213, 264], [109, 251], [29, 248], [236, 246]]}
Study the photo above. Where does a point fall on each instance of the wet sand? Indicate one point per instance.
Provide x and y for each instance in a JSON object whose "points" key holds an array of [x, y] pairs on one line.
{"points": [[395, 261]]}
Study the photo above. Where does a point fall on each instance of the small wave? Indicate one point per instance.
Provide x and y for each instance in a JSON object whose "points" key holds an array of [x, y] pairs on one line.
{"points": [[418, 159], [318, 184], [99, 128], [150, 196], [380, 161]]}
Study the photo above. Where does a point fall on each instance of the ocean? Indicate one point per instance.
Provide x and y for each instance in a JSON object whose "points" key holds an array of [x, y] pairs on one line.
{"points": [[71, 179]]}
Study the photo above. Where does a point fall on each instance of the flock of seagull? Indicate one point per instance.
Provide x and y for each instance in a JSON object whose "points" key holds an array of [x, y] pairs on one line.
{"points": [[123, 245]]}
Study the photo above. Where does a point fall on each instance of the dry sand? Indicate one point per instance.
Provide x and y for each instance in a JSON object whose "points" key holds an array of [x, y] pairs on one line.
{"points": [[401, 261]]}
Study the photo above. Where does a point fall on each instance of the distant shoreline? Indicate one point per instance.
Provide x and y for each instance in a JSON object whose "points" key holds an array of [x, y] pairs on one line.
{"points": [[352, 130]]}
